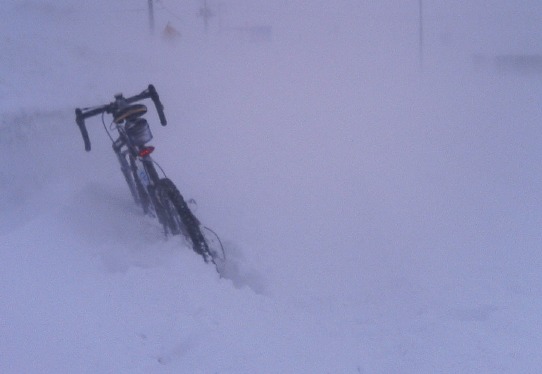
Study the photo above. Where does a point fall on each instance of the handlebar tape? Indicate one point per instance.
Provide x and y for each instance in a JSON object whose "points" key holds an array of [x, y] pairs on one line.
{"points": [[159, 107], [81, 124]]}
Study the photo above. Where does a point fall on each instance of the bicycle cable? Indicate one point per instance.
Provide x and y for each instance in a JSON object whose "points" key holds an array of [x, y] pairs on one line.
{"points": [[219, 241], [106, 130], [159, 167]]}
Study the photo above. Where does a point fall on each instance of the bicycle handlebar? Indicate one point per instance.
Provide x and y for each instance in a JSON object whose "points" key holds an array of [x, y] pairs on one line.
{"points": [[80, 119], [111, 108], [157, 104]]}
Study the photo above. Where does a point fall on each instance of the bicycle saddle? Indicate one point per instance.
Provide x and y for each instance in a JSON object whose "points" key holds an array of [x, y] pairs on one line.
{"points": [[130, 112]]}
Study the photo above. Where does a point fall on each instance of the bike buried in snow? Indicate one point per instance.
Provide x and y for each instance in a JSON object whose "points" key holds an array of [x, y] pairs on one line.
{"points": [[154, 192]]}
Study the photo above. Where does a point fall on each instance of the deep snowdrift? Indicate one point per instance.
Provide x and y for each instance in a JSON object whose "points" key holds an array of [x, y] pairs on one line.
{"points": [[376, 220]]}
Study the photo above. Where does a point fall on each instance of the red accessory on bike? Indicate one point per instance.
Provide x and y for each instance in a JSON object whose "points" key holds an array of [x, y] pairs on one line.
{"points": [[146, 151]]}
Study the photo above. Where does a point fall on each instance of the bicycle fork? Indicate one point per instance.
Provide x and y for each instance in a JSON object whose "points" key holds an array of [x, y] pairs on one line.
{"points": [[145, 166], [127, 172]]}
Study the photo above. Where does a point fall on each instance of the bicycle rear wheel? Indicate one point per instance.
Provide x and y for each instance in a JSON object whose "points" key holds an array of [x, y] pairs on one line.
{"points": [[180, 219]]}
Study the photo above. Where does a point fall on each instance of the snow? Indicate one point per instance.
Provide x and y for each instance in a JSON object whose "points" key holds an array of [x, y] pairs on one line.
{"points": [[379, 216]]}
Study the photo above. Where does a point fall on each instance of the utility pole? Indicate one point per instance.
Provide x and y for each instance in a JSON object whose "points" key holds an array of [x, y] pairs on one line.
{"points": [[151, 17], [420, 17], [206, 14]]}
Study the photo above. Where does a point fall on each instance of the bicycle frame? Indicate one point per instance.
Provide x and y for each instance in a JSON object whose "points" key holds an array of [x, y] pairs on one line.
{"points": [[140, 173], [127, 156], [135, 160], [158, 196]]}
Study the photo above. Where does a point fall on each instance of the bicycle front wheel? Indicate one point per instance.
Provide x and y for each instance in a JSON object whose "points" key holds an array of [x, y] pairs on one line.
{"points": [[180, 219]]}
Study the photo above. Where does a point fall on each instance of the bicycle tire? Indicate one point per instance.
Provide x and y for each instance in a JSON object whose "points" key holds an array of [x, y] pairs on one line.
{"points": [[180, 219]]}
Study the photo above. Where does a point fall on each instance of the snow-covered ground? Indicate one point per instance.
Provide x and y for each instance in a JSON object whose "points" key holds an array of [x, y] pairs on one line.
{"points": [[378, 218]]}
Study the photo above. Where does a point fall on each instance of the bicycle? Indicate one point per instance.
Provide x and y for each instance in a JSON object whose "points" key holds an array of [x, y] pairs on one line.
{"points": [[157, 195]]}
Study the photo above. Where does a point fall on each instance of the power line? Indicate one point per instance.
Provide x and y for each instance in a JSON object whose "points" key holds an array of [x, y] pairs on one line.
{"points": [[168, 10]]}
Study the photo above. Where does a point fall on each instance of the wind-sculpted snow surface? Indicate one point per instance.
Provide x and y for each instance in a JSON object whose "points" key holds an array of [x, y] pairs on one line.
{"points": [[376, 219]]}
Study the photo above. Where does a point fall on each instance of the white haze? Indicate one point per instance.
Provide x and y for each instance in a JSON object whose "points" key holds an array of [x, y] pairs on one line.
{"points": [[380, 209]]}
